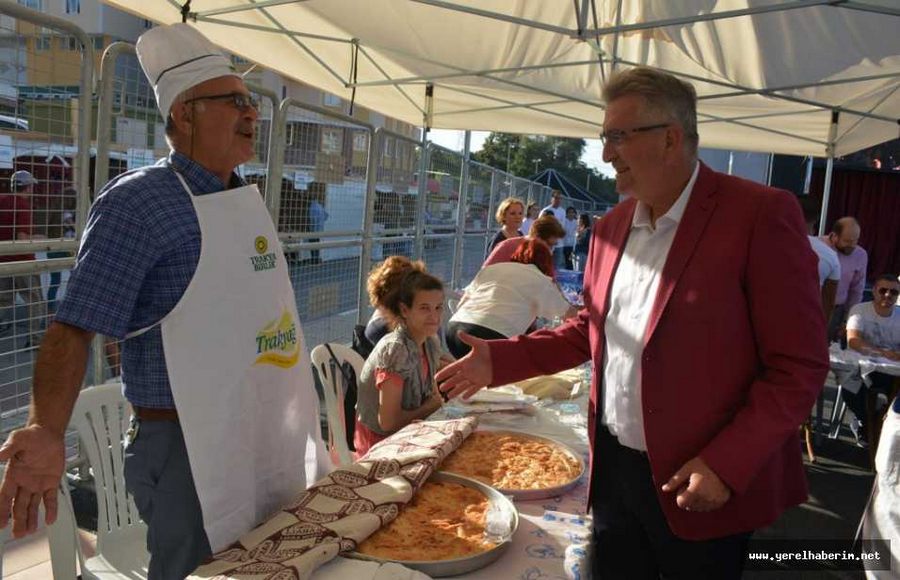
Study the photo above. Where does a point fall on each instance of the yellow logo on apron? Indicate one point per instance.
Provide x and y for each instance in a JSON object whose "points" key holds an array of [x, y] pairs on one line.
{"points": [[264, 260], [277, 344]]}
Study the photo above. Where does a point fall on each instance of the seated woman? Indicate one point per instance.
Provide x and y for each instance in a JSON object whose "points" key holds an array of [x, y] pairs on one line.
{"points": [[509, 215], [546, 229], [396, 384], [505, 298]]}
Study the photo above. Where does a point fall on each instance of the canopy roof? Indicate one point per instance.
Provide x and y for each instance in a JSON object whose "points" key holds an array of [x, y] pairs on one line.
{"points": [[769, 73], [556, 180]]}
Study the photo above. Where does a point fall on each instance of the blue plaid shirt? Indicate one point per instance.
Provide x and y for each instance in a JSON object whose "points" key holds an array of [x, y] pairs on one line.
{"points": [[138, 253]]}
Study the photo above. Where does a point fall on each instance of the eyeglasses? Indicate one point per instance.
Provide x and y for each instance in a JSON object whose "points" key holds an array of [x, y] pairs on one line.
{"points": [[241, 101], [892, 292], [616, 137]]}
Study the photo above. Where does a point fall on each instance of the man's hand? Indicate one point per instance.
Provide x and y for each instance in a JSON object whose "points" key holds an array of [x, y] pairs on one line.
{"points": [[698, 487], [35, 461], [469, 374]]}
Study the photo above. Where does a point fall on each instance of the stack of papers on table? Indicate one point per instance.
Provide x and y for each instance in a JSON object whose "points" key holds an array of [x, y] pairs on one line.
{"points": [[505, 399]]}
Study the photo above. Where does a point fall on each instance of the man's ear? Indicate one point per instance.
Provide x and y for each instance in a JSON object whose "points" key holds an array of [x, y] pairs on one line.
{"points": [[674, 137], [182, 116]]}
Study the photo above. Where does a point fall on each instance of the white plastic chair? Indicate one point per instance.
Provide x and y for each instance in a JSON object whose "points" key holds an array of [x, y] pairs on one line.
{"points": [[101, 418], [5, 532], [332, 384]]}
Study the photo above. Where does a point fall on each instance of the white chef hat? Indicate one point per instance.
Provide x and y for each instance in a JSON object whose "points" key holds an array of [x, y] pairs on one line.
{"points": [[177, 57]]}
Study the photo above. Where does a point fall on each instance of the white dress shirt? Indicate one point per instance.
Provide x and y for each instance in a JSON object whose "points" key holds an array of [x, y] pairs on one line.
{"points": [[634, 288]]}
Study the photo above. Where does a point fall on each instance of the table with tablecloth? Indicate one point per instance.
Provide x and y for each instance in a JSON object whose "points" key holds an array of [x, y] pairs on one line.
{"points": [[553, 539], [302, 541]]}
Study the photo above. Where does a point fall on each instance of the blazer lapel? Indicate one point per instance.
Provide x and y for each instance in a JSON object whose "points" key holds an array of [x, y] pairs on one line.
{"points": [[612, 248], [690, 229]]}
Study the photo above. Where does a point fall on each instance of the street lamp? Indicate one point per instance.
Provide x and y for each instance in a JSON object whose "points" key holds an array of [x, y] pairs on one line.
{"points": [[535, 161]]}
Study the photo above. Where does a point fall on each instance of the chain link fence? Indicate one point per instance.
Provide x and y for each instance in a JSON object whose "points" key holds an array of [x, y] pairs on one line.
{"points": [[344, 195]]}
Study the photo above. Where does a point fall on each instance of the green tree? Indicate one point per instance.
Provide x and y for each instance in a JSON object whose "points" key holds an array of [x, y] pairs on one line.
{"points": [[526, 155]]}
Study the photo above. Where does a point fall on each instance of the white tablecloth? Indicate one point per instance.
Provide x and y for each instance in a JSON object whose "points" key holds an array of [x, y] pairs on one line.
{"points": [[549, 527], [851, 368]]}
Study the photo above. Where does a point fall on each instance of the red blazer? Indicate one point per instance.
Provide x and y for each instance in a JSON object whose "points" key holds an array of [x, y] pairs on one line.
{"points": [[734, 354]]}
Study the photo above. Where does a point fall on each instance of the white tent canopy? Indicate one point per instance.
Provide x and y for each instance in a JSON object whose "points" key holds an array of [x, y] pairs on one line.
{"points": [[770, 74]]}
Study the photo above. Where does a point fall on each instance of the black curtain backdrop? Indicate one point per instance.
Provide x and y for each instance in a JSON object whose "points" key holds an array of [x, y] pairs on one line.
{"points": [[873, 198]]}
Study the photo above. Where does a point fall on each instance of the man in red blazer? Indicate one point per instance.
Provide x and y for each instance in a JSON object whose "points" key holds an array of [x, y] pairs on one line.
{"points": [[704, 326]]}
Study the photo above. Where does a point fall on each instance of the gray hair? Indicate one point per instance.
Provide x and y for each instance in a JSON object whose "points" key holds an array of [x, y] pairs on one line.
{"points": [[663, 93]]}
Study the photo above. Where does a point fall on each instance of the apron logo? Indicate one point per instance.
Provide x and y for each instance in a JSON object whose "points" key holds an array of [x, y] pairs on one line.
{"points": [[264, 261], [277, 344]]}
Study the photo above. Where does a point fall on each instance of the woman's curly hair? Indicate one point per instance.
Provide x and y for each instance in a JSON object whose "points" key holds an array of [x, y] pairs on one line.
{"points": [[396, 281]]}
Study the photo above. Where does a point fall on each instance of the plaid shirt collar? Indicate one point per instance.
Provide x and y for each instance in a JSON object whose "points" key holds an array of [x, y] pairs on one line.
{"points": [[200, 179]]}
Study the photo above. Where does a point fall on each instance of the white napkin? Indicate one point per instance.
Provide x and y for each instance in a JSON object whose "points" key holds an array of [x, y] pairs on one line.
{"points": [[504, 394], [343, 568]]}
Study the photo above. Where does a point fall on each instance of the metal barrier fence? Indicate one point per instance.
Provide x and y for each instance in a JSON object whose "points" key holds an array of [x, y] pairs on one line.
{"points": [[343, 194]]}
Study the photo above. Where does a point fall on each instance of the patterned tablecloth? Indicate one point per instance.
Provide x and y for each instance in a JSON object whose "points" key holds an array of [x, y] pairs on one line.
{"points": [[342, 509]]}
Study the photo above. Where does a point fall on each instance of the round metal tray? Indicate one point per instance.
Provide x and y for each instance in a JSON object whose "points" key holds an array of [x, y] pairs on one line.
{"points": [[533, 494], [441, 568]]}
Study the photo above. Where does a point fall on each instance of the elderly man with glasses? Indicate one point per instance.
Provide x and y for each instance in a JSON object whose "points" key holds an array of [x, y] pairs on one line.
{"points": [[703, 324], [181, 261], [873, 329]]}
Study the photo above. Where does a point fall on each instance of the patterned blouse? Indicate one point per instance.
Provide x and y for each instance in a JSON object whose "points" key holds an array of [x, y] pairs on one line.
{"points": [[397, 353]]}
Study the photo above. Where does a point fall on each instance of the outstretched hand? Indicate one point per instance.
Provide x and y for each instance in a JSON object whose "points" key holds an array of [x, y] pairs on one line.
{"points": [[698, 488], [35, 461], [469, 374]]}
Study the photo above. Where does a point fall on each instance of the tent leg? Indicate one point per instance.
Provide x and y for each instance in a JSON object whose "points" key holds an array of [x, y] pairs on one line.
{"points": [[829, 167]]}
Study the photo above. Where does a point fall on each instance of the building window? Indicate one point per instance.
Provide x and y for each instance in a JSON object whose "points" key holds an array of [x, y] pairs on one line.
{"points": [[331, 100], [332, 140], [33, 4], [388, 146], [360, 141], [73, 6], [98, 43], [42, 43], [148, 24]]}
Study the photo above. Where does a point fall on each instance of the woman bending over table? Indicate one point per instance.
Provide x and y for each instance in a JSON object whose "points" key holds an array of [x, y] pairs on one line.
{"points": [[545, 228], [397, 381], [505, 298]]}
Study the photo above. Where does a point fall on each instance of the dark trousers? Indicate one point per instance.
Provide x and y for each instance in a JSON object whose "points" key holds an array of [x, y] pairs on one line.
{"points": [[567, 257], [632, 539], [158, 475], [460, 349], [881, 383]]}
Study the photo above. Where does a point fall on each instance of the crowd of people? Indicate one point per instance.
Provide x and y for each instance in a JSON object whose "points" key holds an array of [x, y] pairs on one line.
{"points": [[703, 317]]}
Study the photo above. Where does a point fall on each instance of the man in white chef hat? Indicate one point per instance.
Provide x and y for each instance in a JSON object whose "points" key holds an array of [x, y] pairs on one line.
{"points": [[181, 261]]}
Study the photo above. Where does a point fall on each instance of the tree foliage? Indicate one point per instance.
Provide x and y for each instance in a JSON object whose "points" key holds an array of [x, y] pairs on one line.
{"points": [[526, 155]]}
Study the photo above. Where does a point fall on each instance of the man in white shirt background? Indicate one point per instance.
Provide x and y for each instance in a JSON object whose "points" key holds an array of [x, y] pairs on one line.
{"points": [[873, 329], [829, 263], [559, 213]]}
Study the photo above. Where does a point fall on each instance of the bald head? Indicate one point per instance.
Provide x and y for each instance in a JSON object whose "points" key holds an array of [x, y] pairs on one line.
{"points": [[844, 235]]}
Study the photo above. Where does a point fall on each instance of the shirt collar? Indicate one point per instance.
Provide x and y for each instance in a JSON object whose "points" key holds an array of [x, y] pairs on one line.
{"points": [[642, 211], [200, 179]]}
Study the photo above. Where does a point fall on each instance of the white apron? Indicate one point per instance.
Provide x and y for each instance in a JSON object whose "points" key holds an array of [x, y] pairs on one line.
{"points": [[240, 372]]}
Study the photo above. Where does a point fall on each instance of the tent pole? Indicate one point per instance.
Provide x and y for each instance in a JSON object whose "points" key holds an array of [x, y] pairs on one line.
{"points": [[829, 167], [462, 207]]}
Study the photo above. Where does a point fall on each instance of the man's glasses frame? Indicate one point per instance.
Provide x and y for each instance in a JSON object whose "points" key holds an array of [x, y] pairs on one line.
{"points": [[616, 137], [240, 101], [892, 292]]}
